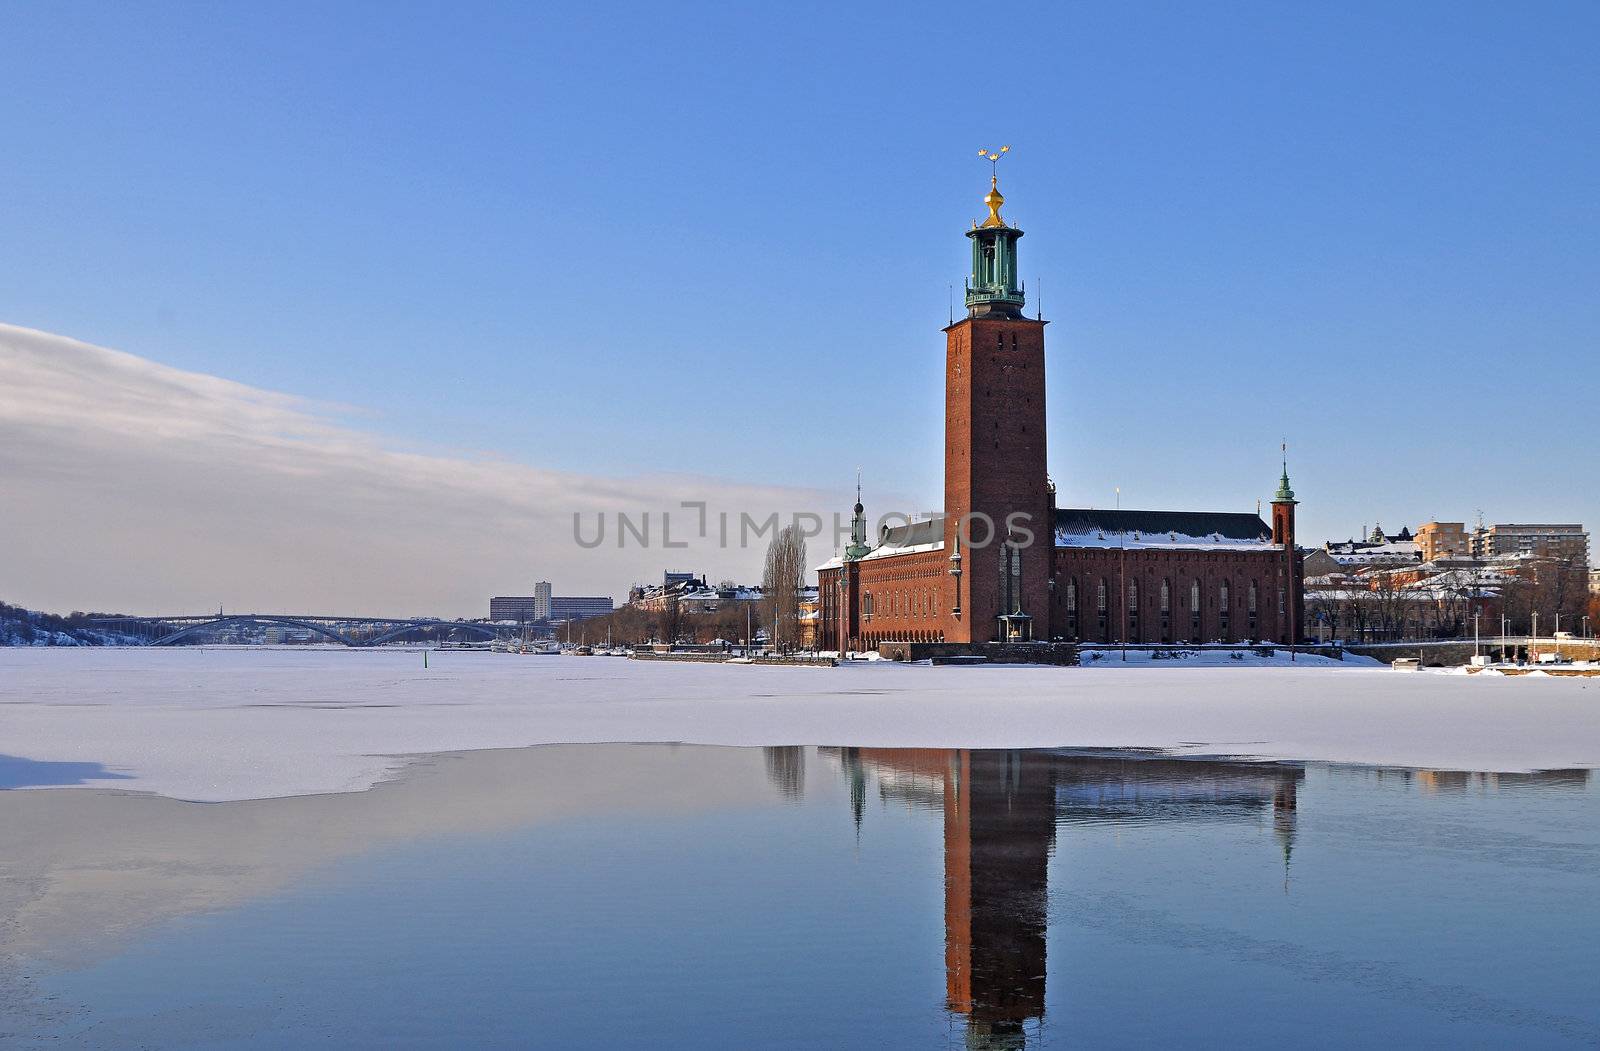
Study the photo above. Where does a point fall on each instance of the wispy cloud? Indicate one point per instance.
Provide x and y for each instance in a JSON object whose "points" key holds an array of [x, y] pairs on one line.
{"points": [[129, 485]]}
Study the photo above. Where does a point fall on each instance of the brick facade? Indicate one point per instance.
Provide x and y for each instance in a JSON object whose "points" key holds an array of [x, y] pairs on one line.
{"points": [[903, 598], [994, 472], [1174, 596]]}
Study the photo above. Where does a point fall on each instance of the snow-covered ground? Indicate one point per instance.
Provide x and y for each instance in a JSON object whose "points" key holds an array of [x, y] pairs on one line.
{"points": [[1216, 657], [222, 724]]}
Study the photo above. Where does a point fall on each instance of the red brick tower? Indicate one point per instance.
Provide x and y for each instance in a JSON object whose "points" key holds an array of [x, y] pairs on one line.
{"points": [[996, 499], [1291, 597]]}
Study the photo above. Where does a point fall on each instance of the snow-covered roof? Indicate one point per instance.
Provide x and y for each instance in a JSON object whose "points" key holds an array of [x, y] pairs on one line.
{"points": [[909, 538], [890, 550], [1397, 552], [1154, 530]]}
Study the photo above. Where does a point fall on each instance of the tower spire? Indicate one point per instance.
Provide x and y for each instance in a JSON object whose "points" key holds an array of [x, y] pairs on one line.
{"points": [[994, 289], [1284, 495], [858, 526]]}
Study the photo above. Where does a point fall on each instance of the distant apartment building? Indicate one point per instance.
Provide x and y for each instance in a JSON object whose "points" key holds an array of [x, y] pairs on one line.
{"points": [[1436, 540], [566, 607], [520, 608], [543, 606], [1567, 542]]}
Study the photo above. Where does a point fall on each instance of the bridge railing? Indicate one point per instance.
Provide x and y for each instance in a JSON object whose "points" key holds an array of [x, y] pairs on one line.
{"points": [[355, 632]]}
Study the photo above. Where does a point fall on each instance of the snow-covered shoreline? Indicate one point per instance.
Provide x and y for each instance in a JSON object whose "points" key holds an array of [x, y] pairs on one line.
{"points": [[211, 725]]}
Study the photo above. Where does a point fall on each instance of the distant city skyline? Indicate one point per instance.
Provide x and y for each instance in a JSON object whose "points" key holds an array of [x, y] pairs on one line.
{"points": [[550, 262]]}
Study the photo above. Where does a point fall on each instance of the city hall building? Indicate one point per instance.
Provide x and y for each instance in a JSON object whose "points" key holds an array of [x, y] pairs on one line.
{"points": [[1004, 563]]}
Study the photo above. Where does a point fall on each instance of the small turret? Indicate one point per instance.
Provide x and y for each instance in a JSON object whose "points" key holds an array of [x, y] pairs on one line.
{"points": [[1284, 495], [1283, 503], [858, 529]]}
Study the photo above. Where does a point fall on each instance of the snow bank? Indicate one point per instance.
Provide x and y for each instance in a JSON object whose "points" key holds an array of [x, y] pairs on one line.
{"points": [[1217, 657], [239, 724]]}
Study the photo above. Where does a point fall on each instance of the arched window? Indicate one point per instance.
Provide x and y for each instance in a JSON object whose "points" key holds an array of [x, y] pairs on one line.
{"points": [[1072, 595], [1224, 596], [1282, 602], [1133, 596], [1100, 596], [1194, 595], [1166, 596], [866, 605], [1252, 597]]}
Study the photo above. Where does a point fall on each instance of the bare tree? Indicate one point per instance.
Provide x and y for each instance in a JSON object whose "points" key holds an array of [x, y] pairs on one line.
{"points": [[671, 621], [1547, 587], [1389, 603], [781, 581]]}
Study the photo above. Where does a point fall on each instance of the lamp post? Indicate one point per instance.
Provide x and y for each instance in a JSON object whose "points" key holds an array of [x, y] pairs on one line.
{"points": [[1503, 620], [1476, 639], [1122, 573]]}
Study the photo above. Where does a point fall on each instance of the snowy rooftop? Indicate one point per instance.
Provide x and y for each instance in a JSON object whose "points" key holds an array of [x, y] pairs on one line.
{"points": [[1176, 530], [890, 550], [1137, 541]]}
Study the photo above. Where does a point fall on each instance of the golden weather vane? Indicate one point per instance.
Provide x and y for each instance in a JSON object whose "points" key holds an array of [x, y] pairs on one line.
{"points": [[993, 157], [993, 198]]}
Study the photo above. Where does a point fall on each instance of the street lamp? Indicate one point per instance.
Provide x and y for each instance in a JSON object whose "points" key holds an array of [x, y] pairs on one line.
{"points": [[1476, 636]]}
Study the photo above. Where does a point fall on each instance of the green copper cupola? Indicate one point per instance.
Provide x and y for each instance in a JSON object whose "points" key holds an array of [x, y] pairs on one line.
{"points": [[994, 289], [1284, 495]]}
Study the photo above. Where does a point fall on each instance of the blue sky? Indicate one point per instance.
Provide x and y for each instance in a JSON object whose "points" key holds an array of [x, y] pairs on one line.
{"points": [[612, 239]]}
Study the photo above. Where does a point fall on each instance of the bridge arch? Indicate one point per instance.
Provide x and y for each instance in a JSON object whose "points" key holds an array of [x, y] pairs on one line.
{"points": [[206, 625], [485, 630]]}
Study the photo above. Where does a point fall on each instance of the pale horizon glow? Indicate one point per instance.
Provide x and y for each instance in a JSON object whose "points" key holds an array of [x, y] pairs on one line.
{"points": [[131, 486]]}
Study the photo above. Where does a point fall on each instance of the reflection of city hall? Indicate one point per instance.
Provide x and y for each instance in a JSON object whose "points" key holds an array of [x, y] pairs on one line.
{"points": [[1005, 564], [1000, 812]]}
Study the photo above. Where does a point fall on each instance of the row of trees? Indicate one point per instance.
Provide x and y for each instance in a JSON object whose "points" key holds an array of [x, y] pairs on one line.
{"points": [[1385, 609]]}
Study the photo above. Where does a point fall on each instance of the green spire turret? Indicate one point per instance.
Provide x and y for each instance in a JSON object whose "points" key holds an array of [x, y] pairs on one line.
{"points": [[858, 528], [1284, 495]]}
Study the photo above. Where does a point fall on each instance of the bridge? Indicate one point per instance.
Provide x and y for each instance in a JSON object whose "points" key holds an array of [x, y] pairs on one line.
{"points": [[346, 631]]}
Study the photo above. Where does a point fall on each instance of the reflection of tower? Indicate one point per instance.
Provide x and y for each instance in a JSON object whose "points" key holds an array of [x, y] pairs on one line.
{"points": [[1284, 799], [850, 759], [1000, 810], [786, 768], [999, 830]]}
